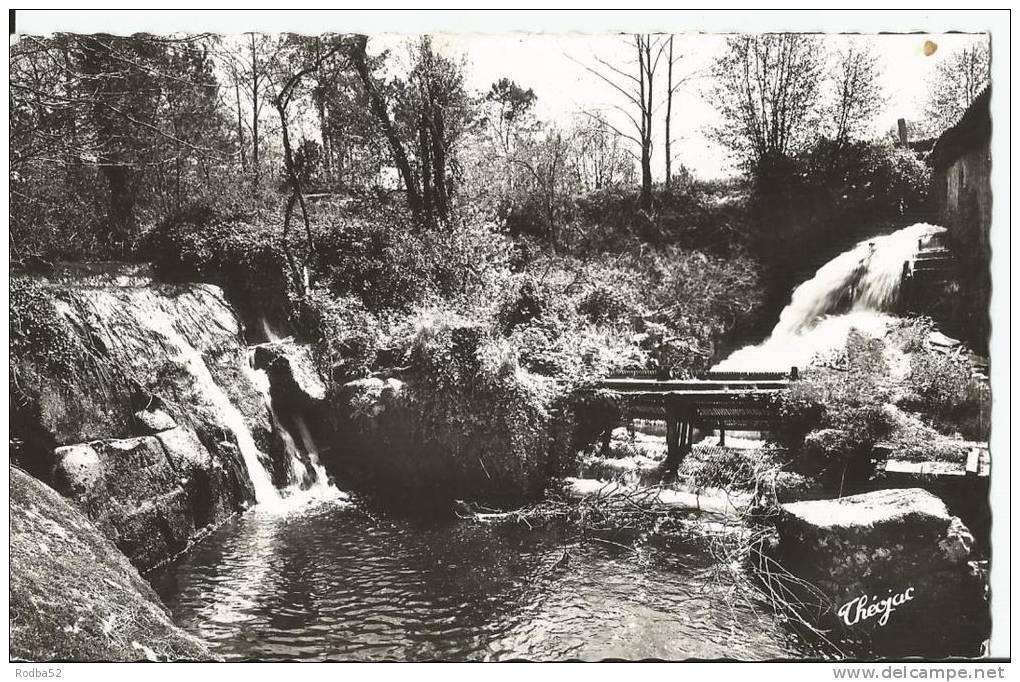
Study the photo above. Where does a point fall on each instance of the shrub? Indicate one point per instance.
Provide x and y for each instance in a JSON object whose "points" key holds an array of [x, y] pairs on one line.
{"points": [[347, 337], [240, 251], [945, 390], [380, 256], [468, 420], [39, 334], [842, 411]]}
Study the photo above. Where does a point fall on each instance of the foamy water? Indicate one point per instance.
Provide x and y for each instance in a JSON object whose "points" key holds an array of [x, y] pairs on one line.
{"points": [[857, 289], [304, 486]]}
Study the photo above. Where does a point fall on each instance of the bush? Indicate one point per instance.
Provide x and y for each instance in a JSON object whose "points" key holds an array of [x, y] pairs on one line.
{"points": [[945, 390], [842, 411], [39, 334], [706, 216], [240, 251], [347, 337], [468, 420], [380, 256]]}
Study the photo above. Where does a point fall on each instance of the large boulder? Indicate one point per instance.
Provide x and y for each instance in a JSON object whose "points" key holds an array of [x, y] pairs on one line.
{"points": [[292, 372], [131, 396], [151, 494], [891, 564], [464, 421], [74, 596]]}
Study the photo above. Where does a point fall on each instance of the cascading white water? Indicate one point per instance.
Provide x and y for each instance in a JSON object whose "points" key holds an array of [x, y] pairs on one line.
{"points": [[191, 359], [319, 487], [260, 380], [855, 290]]}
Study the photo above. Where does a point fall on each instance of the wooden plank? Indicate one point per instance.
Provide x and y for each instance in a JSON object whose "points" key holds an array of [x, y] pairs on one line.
{"points": [[973, 460]]}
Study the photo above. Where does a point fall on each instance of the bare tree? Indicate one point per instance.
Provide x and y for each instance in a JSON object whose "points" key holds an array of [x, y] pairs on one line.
{"points": [[766, 88], [956, 82], [639, 90], [858, 95]]}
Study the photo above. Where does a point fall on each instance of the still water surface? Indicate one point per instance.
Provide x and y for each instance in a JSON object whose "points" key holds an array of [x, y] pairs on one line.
{"points": [[329, 582]]}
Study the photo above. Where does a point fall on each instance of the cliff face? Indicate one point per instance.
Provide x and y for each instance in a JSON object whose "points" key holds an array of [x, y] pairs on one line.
{"points": [[134, 400], [74, 596]]}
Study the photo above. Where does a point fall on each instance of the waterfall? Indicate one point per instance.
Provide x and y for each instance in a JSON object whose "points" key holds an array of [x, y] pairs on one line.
{"points": [[260, 380], [855, 290], [157, 320], [321, 483], [314, 483]]}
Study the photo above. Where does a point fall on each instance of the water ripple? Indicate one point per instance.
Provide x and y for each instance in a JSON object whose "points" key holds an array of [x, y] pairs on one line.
{"points": [[334, 585]]}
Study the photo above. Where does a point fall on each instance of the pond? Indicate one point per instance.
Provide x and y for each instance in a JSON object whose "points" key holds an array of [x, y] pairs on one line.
{"points": [[334, 582]]}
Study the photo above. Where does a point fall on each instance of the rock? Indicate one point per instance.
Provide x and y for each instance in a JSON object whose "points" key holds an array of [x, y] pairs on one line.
{"points": [[292, 371], [862, 549], [465, 421], [73, 596], [150, 494], [150, 422], [713, 502], [78, 469], [155, 377]]}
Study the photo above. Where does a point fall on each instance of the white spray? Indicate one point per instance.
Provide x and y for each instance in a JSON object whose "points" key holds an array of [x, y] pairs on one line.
{"points": [[159, 322], [854, 290]]}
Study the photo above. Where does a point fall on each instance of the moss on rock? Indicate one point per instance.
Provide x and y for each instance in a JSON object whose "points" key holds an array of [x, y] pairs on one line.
{"points": [[74, 596]]}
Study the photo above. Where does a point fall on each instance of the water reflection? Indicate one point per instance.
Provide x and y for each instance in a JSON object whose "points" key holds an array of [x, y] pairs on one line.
{"points": [[329, 583]]}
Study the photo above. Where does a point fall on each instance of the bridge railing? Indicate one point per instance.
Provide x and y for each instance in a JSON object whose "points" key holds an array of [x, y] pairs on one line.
{"points": [[666, 375]]}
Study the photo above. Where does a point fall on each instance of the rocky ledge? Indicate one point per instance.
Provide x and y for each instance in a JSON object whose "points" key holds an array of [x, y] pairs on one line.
{"points": [[895, 567], [74, 596]]}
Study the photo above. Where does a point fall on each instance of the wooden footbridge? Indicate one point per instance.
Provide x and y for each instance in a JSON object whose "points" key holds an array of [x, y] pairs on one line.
{"points": [[742, 401]]}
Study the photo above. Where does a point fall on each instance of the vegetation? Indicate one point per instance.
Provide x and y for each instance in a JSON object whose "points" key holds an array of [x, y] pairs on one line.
{"points": [[840, 411], [346, 194]]}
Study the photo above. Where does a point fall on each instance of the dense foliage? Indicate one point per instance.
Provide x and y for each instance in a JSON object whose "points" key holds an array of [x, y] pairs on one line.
{"points": [[842, 408]]}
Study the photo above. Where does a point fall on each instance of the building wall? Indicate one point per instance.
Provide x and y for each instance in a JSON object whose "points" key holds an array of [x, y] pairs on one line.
{"points": [[963, 197]]}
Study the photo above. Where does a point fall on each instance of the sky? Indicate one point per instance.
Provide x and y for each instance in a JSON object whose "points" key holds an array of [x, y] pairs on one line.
{"points": [[551, 64]]}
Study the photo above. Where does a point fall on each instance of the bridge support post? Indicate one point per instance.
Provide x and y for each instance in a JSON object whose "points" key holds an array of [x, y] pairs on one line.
{"points": [[674, 431], [607, 437], [679, 433], [722, 438]]}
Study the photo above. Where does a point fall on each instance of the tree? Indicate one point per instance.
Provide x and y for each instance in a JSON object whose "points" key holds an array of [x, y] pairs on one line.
{"points": [[508, 117], [858, 95], [353, 151], [545, 164], [435, 112], [134, 120], [956, 82], [766, 88], [639, 90], [425, 121], [600, 160], [381, 111], [301, 59]]}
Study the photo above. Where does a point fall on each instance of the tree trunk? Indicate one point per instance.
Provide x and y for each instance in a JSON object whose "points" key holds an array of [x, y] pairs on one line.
{"points": [[121, 207], [439, 180], [295, 195], [644, 55], [424, 145], [414, 200], [669, 114], [327, 143], [240, 126], [254, 121]]}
